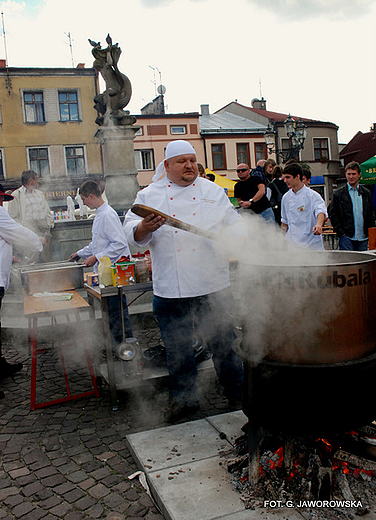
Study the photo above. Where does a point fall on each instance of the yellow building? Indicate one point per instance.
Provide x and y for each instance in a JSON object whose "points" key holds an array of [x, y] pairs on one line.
{"points": [[47, 124]]}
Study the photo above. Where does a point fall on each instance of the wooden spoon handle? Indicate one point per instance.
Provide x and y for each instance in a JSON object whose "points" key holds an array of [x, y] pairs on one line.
{"points": [[144, 211]]}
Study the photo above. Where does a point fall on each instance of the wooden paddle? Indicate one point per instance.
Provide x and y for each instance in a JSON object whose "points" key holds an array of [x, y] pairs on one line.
{"points": [[144, 211]]}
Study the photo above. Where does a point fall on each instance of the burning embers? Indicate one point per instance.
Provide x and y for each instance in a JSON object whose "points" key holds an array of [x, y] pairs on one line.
{"points": [[335, 478]]}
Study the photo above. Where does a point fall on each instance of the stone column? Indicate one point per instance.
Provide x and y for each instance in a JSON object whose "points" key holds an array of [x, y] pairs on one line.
{"points": [[119, 167]]}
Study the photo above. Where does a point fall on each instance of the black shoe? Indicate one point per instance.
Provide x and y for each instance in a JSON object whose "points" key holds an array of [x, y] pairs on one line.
{"points": [[175, 412], [8, 370], [235, 403], [2, 395]]}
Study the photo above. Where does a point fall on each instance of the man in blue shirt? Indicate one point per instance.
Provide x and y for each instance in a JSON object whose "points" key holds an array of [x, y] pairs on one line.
{"points": [[351, 211]]}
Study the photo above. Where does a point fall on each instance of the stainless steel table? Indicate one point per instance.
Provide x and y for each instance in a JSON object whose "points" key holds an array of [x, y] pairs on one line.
{"points": [[110, 370]]}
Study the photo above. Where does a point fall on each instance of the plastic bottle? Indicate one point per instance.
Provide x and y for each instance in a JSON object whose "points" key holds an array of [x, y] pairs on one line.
{"points": [[105, 271]]}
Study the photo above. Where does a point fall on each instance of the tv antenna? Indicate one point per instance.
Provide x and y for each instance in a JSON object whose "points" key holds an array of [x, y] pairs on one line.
{"points": [[154, 80], [4, 38], [260, 88], [70, 46], [8, 80]]}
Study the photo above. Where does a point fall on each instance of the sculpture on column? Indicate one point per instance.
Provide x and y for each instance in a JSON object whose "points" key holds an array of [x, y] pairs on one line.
{"points": [[118, 91]]}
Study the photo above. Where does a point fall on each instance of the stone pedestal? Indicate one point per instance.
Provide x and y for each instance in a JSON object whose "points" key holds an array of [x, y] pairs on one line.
{"points": [[119, 166]]}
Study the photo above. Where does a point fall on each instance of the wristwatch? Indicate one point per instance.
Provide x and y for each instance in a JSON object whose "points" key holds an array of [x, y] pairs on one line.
{"points": [[250, 200]]}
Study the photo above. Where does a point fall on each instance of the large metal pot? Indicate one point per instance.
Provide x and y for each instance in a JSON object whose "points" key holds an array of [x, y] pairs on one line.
{"points": [[317, 312], [308, 342]]}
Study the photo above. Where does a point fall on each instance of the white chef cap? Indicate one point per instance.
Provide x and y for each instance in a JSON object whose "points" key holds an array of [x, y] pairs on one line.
{"points": [[173, 149]]}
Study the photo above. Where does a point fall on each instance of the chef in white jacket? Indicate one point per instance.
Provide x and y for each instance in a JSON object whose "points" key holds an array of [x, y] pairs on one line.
{"points": [[12, 233], [190, 274]]}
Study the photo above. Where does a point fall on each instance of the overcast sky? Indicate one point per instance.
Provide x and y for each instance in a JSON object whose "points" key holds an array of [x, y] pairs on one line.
{"points": [[312, 58]]}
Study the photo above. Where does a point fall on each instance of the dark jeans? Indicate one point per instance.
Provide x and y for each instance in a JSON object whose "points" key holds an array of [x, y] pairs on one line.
{"points": [[347, 244], [114, 313], [179, 319], [2, 292]]}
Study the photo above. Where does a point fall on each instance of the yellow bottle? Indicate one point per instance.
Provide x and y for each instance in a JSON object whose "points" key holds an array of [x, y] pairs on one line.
{"points": [[105, 271]]}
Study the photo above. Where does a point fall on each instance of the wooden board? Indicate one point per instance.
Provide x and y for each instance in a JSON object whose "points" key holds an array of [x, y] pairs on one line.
{"points": [[44, 305]]}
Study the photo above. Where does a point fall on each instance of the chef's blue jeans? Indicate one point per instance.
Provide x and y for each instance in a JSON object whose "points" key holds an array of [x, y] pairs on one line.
{"points": [[347, 244], [208, 317], [114, 316]]}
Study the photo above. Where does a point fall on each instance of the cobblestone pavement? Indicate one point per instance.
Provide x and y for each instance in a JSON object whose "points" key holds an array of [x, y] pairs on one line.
{"points": [[71, 461]]}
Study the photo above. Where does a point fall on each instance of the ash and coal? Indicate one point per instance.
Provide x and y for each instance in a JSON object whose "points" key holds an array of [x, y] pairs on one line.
{"points": [[322, 479]]}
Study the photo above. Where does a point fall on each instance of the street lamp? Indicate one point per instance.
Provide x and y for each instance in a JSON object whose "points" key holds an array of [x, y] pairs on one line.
{"points": [[296, 132]]}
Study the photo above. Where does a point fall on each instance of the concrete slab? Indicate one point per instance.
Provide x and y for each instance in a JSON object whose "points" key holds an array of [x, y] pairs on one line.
{"points": [[179, 444], [185, 474]]}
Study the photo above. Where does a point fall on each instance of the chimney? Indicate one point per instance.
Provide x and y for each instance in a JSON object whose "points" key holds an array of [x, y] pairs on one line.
{"points": [[259, 103], [80, 66], [205, 110], [3, 64]]}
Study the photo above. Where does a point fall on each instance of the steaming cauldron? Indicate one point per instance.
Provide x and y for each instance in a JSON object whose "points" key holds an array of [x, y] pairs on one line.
{"points": [[309, 348]]}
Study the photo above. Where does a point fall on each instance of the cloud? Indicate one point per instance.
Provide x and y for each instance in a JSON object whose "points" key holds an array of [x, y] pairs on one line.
{"points": [[333, 10], [155, 3]]}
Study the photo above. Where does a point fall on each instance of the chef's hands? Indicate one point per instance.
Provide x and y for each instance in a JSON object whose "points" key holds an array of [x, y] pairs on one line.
{"points": [[43, 240], [73, 257], [317, 229], [148, 225], [89, 262]]}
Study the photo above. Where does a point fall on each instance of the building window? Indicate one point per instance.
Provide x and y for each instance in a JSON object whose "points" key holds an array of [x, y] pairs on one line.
{"points": [[68, 105], [175, 129], [286, 147], [260, 152], [75, 159], [219, 156], [2, 176], [34, 108], [242, 153], [38, 161], [144, 159], [321, 149]]}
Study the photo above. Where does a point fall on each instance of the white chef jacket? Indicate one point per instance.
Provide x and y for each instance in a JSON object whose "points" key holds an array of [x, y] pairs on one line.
{"points": [[108, 237], [184, 264], [13, 233], [299, 213]]}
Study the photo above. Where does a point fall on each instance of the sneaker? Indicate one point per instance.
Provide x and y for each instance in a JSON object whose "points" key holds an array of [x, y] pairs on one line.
{"points": [[8, 370], [175, 412]]}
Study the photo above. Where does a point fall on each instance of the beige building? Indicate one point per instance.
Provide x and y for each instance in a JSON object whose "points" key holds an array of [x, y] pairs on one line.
{"points": [[48, 124], [320, 152]]}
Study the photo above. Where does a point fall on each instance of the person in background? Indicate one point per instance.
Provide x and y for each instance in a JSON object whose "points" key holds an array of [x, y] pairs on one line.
{"points": [[278, 188], [268, 169], [30, 208], [250, 191], [351, 211], [211, 177], [11, 232], [306, 179], [201, 170], [108, 240], [303, 210], [191, 281]]}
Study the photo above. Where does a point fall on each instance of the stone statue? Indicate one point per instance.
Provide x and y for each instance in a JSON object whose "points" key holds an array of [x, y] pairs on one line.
{"points": [[70, 208], [118, 91]]}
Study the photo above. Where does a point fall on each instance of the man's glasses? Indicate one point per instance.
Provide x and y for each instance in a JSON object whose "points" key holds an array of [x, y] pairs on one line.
{"points": [[242, 170]]}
